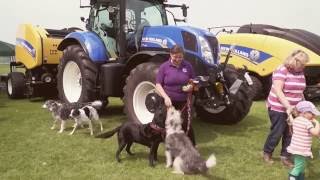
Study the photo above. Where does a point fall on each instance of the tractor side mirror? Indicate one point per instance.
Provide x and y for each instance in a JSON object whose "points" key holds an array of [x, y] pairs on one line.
{"points": [[184, 10]]}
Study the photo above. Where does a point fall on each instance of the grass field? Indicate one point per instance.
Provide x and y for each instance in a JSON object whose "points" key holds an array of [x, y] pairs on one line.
{"points": [[30, 150], [4, 68]]}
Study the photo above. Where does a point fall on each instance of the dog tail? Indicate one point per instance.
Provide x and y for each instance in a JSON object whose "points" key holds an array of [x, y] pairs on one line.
{"points": [[108, 134], [212, 161], [97, 104]]}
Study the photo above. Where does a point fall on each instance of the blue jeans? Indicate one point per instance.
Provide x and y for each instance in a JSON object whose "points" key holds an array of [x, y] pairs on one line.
{"points": [[279, 129]]}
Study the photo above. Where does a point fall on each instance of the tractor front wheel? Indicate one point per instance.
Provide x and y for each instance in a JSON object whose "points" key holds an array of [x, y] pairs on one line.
{"points": [[139, 84], [77, 76]]}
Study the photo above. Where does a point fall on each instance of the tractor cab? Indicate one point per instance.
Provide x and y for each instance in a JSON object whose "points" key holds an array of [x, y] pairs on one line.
{"points": [[122, 30]]}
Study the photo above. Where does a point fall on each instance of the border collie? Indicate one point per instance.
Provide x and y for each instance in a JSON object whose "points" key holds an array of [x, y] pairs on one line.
{"points": [[85, 115], [61, 111]]}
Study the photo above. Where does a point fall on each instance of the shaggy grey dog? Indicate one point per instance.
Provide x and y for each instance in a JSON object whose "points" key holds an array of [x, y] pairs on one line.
{"points": [[61, 111], [179, 150]]}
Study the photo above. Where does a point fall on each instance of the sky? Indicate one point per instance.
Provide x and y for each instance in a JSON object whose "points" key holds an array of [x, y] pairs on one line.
{"points": [[60, 14]]}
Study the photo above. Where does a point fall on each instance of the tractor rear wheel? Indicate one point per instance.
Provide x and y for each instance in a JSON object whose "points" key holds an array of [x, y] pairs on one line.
{"points": [[239, 108], [77, 76], [139, 84], [16, 84]]}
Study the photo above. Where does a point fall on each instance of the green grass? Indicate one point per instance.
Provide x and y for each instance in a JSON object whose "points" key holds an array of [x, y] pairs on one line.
{"points": [[4, 68], [30, 150]]}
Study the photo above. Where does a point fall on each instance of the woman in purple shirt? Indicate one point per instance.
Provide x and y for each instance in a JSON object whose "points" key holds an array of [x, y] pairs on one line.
{"points": [[172, 76]]}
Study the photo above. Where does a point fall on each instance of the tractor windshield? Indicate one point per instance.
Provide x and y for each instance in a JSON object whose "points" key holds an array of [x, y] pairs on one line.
{"points": [[145, 13]]}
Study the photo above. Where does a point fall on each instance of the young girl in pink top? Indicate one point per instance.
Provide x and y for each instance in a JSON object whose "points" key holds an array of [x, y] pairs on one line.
{"points": [[304, 127]]}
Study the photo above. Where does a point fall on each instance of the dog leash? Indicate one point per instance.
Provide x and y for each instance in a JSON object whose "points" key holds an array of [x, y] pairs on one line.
{"points": [[158, 129], [187, 107]]}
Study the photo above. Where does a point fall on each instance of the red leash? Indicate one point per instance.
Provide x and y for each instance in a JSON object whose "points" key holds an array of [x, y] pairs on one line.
{"points": [[188, 107]]}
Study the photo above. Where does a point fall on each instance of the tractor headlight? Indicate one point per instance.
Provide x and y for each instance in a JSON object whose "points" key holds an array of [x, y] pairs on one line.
{"points": [[206, 50]]}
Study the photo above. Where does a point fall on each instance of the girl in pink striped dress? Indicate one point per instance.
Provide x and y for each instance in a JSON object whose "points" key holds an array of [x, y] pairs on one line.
{"points": [[304, 127], [288, 84]]}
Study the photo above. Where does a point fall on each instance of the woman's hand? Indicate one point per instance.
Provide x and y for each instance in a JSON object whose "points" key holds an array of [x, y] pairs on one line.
{"points": [[289, 110], [187, 88], [167, 101], [166, 98]]}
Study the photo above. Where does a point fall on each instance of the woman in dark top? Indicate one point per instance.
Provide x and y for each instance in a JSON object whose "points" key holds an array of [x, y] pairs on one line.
{"points": [[172, 76]]}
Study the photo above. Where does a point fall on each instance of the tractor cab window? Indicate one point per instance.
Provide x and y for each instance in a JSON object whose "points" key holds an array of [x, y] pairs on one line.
{"points": [[105, 25], [140, 14], [144, 13], [152, 15]]}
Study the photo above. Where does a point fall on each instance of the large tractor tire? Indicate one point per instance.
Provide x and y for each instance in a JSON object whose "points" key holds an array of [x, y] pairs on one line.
{"points": [[77, 76], [234, 113], [139, 84], [257, 89], [16, 84]]}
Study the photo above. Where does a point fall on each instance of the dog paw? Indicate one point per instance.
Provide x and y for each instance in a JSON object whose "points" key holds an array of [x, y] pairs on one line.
{"points": [[168, 165], [71, 134], [52, 128]]}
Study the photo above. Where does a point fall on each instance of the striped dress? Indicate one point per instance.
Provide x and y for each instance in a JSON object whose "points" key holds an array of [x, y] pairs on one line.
{"points": [[294, 85], [301, 138]]}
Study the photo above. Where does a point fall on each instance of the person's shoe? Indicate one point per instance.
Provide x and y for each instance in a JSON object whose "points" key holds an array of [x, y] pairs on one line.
{"points": [[267, 158], [292, 177], [287, 162]]}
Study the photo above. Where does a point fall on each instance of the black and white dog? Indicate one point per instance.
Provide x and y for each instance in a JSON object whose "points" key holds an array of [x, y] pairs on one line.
{"points": [[61, 111], [85, 115], [179, 149], [151, 134]]}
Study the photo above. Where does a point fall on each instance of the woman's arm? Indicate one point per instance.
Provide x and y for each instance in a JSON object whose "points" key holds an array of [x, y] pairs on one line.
{"points": [[278, 88], [167, 99]]}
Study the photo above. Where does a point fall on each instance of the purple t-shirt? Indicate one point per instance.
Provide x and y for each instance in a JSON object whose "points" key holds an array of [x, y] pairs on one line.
{"points": [[172, 79]]}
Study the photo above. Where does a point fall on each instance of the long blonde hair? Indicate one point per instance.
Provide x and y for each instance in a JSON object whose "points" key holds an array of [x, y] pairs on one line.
{"points": [[291, 62]]}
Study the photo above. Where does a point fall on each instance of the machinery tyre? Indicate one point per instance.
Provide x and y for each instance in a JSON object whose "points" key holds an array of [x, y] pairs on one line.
{"points": [[234, 113], [139, 84], [77, 76], [257, 89], [16, 84]]}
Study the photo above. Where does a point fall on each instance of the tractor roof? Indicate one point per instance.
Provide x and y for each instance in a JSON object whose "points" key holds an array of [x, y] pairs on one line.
{"points": [[113, 1]]}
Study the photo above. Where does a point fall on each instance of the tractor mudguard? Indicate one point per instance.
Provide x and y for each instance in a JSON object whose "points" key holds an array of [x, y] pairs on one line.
{"points": [[90, 42]]}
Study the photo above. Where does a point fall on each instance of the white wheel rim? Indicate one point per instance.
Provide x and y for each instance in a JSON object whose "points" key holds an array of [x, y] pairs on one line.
{"points": [[139, 99], [72, 81], [214, 110], [9, 86]]}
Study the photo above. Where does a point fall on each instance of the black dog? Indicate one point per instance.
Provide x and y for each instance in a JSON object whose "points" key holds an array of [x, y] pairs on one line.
{"points": [[151, 134]]}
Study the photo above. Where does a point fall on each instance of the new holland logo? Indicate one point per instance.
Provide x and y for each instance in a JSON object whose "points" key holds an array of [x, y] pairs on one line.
{"points": [[161, 42], [253, 55], [27, 46]]}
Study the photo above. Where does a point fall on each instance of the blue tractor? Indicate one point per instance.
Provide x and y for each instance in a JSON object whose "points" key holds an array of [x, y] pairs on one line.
{"points": [[119, 56]]}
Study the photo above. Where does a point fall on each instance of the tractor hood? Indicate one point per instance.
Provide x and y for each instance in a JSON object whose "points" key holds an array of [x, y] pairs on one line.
{"points": [[195, 41]]}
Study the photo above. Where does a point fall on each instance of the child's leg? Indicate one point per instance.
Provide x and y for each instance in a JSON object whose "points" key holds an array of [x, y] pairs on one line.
{"points": [[299, 165]]}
